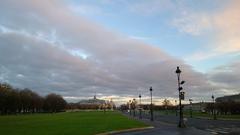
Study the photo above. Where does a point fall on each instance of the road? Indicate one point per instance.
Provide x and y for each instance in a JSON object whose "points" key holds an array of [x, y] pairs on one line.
{"points": [[167, 124]]}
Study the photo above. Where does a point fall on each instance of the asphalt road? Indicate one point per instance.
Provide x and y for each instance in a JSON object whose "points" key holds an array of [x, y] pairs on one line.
{"points": [[167, 124], [161, 128]]}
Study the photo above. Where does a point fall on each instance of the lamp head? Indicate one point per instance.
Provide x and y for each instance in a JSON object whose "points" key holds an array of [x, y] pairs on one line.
{"points": [[178, 71], [151, 88], [182, 82]]}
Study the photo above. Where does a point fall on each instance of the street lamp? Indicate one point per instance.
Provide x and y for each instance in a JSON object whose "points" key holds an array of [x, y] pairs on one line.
{"points": [[181, 97], [176, 107], [130, 104], [134, 107], [140, 109], [151, 106], [214, 113], [190, 100]]}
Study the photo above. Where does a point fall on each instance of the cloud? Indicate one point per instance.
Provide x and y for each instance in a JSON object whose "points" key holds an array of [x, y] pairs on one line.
{"points": [[194, 24], [222, 23], [199, 56], [44, 46], [227, 78], [86, 9], [228, 26], [151, 7]]}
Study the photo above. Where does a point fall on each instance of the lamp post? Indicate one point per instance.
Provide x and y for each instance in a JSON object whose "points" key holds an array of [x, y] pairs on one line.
{"points": [[190, 100], [151, 106], [181, 97], [134, 107], [140, 109], [130, 104], [214, 113], [176, 107]]}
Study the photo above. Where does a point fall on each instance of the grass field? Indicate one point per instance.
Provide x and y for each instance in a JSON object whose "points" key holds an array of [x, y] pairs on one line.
{"points": [[68, 123]]}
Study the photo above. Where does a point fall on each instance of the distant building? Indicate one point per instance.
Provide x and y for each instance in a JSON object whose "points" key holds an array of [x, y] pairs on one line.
{"points": [[231, 98], [93, 101], [96, 104], [200, 106]]}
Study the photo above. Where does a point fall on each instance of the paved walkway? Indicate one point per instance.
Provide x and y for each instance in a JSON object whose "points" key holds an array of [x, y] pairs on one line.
{"points": [[162, 128], [167, 125]]}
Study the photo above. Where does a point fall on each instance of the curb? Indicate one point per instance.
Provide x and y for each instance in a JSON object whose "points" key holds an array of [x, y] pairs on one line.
{"points": [[125, 130]]}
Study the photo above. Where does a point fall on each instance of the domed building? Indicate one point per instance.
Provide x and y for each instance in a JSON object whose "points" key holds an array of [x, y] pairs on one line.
{"points": [[93, 101], [96, 104]]}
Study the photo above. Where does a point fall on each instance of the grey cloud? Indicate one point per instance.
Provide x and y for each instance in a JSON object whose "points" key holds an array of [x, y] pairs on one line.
{"points": [[227, 76], [116, 65]]}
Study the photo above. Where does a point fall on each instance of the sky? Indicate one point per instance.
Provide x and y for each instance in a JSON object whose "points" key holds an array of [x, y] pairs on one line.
{"points": [[119, 48]]}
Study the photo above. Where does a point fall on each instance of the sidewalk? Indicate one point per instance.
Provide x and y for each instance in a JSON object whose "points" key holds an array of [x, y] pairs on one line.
{"points": [[165, 129]]}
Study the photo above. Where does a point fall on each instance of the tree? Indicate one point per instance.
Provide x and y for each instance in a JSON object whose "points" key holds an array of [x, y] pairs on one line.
{"points": [[134, 106], [166, 103], [27, 101], [13, 101], [123, 107], [5, 97], [54, 103]]}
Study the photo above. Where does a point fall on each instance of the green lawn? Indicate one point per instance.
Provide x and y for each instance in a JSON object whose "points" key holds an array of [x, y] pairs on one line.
{"points": [[69, 123]]}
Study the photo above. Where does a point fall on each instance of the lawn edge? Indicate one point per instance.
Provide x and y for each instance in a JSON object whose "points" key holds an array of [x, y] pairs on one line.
{"points": [[125, 130]]}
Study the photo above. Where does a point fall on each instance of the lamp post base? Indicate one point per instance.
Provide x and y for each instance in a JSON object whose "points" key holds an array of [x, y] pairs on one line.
{"points": [[181, 124], [151, 119], [151, 116]]}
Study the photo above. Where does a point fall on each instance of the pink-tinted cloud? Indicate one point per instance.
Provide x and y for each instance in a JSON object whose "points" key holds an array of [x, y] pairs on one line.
{"points": [[223, 24], [38, 39]]}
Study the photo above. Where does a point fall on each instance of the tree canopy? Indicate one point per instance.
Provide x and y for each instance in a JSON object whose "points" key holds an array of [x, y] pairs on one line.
{"points": [[13, 100]]}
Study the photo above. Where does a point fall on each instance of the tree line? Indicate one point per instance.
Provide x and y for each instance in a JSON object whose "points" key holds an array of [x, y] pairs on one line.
{"points": [[14, 101], [224, 108]]}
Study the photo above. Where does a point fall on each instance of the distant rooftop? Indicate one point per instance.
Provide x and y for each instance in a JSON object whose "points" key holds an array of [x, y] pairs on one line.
{"points": [[92, 101], [231, 98]]}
